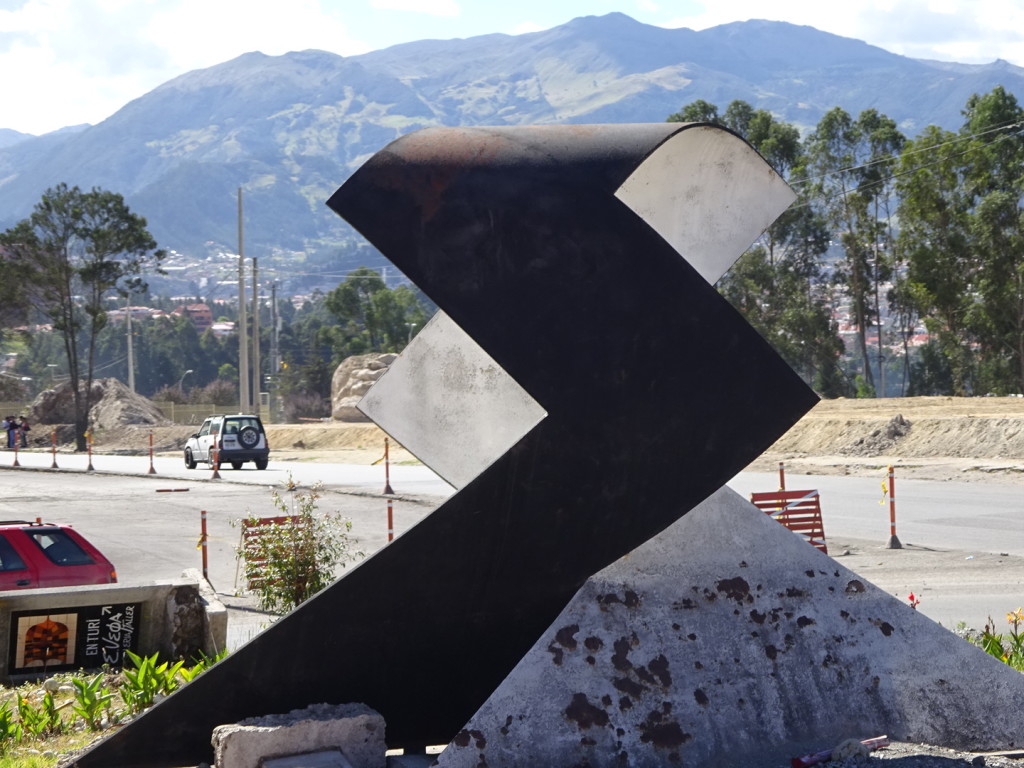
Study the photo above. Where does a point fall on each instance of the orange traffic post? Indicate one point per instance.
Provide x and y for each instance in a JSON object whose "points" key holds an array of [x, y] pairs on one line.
{"points": [[202, 543], [15, 464], [53, 448], [391, 520], [216, 463], [782, 476], [88, 445], [387, 469], [894, 542], [152, 470]]}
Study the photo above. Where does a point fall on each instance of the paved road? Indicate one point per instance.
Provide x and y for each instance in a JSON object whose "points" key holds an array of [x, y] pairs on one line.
{"points": [[981, 517], [953, 532]]}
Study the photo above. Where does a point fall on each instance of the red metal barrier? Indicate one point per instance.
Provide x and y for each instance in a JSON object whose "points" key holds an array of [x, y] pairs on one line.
{"points": [[254, 528], [799, 511]]}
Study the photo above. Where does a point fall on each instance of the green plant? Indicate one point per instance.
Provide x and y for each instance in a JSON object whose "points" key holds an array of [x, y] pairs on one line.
{"points": [[188, 674], [289, 560], [10, 729], [147, 679], [1008, 648], [92, 700], [34, 722]]}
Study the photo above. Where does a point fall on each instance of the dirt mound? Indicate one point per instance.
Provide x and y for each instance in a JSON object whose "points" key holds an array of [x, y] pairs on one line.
{"points": [[113, 406], [879, 441], [966, 427]]}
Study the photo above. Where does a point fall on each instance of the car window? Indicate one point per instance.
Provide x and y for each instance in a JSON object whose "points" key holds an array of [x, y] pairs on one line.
{"points": [[59, 548], [240, 424], [9, 559], [215, 427], [206, 428]]}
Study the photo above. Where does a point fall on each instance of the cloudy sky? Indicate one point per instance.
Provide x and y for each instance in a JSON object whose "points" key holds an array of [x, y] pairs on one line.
{"points": [[65, 62]]}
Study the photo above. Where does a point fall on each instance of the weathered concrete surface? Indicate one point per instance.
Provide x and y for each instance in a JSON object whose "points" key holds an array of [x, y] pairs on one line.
{"points": [[353, 729], [727, 640]]}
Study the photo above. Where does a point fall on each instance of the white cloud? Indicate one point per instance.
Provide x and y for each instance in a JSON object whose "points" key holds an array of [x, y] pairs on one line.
{"points": [[429, 7], [198, 33]]}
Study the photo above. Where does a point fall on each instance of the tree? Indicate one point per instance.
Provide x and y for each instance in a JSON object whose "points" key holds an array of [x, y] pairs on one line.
{"points": [[698, 111], [850, 166], [67, 256], [996, 181], [371, 317]]}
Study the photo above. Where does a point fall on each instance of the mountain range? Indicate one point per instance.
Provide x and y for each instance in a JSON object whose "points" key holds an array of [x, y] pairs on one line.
{"points": [[290, 129]]}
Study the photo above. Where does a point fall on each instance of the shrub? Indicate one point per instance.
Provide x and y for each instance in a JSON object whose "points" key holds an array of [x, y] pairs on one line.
{"points": [[289, 561]]}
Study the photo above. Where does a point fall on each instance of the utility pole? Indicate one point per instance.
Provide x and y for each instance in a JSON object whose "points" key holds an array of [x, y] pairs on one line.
{"points": [[244, 401], [131, 348], [256, 383], [275, 356]]}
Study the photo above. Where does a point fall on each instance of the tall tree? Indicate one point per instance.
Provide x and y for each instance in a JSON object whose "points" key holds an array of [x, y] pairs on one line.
{"points": [[996, 179], [934, 242], [73, 249], [850, 165]]}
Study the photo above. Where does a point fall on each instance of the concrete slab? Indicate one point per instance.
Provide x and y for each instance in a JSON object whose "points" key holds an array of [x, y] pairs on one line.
{"points": [[355, 730], [331, 758], [727, 640]]}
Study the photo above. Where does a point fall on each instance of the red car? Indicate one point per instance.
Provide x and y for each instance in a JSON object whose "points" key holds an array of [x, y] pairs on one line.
{"points": [[49, 555]]}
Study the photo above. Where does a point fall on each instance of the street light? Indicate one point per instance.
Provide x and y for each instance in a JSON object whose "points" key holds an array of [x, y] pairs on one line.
{"points": [[181, 380]]}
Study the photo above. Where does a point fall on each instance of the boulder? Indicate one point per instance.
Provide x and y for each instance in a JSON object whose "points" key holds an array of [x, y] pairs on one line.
{"points": [[353, 379]]}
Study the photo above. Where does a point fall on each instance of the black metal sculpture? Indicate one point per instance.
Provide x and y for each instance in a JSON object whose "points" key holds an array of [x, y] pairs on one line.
{"points": [[656, 393]]}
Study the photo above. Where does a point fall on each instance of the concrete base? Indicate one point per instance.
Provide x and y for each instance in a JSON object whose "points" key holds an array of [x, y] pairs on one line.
{"points": [[727, 640], [354, 730]]}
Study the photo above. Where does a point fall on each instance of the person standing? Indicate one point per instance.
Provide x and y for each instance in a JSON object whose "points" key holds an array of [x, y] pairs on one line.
{"points": [[23, 428], [11, 425]]}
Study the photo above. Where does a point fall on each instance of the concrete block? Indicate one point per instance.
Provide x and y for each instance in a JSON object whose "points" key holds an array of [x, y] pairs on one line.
{"points": [[353, 729], [411, 761], [331, 758], [216, 613], [728, 640]]}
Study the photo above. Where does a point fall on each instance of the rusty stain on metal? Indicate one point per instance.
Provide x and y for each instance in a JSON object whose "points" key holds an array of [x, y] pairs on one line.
{"points": [[508, 722], [585, 714], [886, 628], [662, 732], [855, 586], [620, 659], [629, 687], [565, 637], [463, 738]]}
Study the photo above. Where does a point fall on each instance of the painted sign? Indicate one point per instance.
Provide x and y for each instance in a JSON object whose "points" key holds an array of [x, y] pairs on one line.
{"points": [[72, 638]]}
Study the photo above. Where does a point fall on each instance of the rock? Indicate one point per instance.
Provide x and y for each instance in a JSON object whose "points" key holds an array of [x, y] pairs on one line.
{"points": [[352, 379], [355, 730]]}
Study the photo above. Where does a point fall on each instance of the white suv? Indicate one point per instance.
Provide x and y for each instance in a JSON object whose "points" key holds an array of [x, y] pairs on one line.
{"points": [[237, 437]]}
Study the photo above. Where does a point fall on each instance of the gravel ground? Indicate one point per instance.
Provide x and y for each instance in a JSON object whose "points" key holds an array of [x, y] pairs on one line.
{"points": [[908, 755]]}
